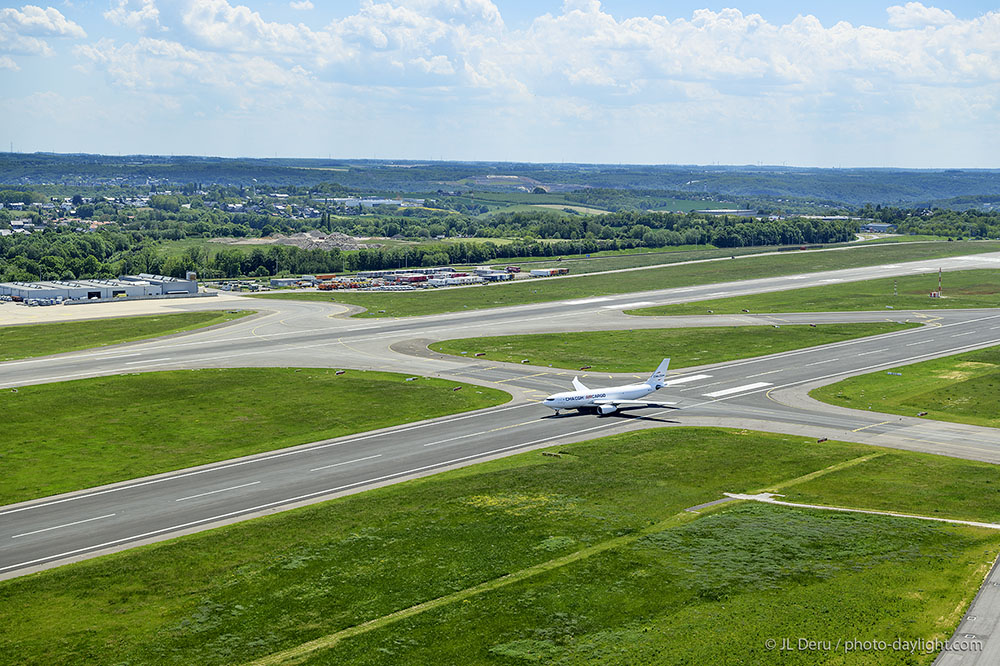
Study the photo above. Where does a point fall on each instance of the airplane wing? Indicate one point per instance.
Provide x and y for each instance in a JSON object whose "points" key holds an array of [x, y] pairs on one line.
{"points": [[578, 385], [633, 404]]}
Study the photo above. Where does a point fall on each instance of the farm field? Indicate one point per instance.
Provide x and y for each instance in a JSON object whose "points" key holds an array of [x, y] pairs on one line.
{"points": [[193, 417], [647, 347], [582, 555]]}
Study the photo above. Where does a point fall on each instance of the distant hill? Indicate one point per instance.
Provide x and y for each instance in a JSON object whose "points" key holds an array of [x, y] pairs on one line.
{"points": [[752, 184]]}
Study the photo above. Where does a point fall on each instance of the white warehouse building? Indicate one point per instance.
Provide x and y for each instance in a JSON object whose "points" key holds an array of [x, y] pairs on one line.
{"points": [[127, 286]]}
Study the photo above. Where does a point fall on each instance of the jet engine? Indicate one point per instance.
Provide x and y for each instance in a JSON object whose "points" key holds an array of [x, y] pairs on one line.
{"points": [[606, 409]]}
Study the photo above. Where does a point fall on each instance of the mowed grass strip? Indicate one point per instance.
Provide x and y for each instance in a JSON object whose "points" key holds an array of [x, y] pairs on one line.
{"points": [[246, 591], [405, 304], [962, 289], [964, 388], [641, 350], [78, 434], [43, 339]]}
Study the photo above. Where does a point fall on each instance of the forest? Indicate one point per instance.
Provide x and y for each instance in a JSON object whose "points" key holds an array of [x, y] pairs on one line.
{"points": [[64, 254]]}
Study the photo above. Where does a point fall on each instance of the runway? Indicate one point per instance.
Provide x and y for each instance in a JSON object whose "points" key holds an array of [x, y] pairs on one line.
{"points": [[763, 393]]}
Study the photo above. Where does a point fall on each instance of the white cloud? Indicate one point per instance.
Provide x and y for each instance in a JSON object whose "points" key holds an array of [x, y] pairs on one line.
{"points": [[6, 62], [916, 15], [579, 67], [166, 66], [301, 5], [22, 32], [139, 15]]}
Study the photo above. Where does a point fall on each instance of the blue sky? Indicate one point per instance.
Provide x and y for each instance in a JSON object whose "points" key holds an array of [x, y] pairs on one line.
{"points": [[845, 83]]}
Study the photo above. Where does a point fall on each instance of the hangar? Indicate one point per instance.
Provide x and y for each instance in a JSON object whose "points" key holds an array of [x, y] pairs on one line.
{"points": [[127, 286]]}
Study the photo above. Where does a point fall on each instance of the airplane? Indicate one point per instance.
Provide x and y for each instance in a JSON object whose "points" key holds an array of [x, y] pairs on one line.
{"points": [[611, 399]]}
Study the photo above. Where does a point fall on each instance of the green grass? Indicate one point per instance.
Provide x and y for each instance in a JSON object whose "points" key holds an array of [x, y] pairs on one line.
{"points": [[627, 581], [403, 304], [647, 347], [580, 264], [176, 248], [561, 208], [43, 339], [712, 591], [912, 238], [115, 428], [964, 388], [962, 289], [907, 482]]}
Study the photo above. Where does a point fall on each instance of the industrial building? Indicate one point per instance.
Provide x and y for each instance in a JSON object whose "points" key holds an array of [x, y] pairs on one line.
{"points": [[879, 227], [126, 286]]}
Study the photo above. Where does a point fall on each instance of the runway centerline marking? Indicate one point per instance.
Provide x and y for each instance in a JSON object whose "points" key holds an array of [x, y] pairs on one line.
{"points": [[625, 306], [872, 352], [870, 426], [685, 380], [152, 360], [769, 372], [306, 448], [958, 335], [57, 527], [829, 360], [346, 462], [318, 493], [736, 389], [220, 490], [922, 342], [587, 301]]}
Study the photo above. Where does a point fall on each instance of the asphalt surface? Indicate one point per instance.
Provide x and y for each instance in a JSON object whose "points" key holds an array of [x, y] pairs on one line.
{"points": [[766, 393]]}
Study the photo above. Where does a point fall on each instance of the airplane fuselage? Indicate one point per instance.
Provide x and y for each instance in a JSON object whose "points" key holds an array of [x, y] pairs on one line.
{"points": [[583, 400]]}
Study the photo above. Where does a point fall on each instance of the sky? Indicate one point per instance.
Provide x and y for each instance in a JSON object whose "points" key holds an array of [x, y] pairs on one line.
{"points": [[834, 84]]}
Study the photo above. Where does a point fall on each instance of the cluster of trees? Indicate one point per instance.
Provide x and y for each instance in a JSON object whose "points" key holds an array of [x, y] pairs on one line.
{"points": [[951, 223], [62, 254], [66, 255], [663, 229]]}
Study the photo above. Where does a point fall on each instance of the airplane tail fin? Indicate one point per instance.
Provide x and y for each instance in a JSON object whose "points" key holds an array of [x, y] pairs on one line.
{"points": [[658, 378], [578, 385]]}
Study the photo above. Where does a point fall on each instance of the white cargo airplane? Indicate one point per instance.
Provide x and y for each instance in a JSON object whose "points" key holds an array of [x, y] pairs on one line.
{"points": [[611, 399]]}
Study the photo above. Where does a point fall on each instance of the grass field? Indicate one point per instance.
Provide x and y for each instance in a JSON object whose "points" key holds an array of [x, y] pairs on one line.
{"points": [[564, 209], [647, 347], [403, 304], [906, 482], [175, 248], [505, 202], [580, 265], [42, 339], [962, 289], [190, 417], [585, 556], [913, 238], [964, 388]]}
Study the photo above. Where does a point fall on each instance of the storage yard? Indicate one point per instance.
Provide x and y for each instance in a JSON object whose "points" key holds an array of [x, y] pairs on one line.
{"points": [[410, 279]]}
